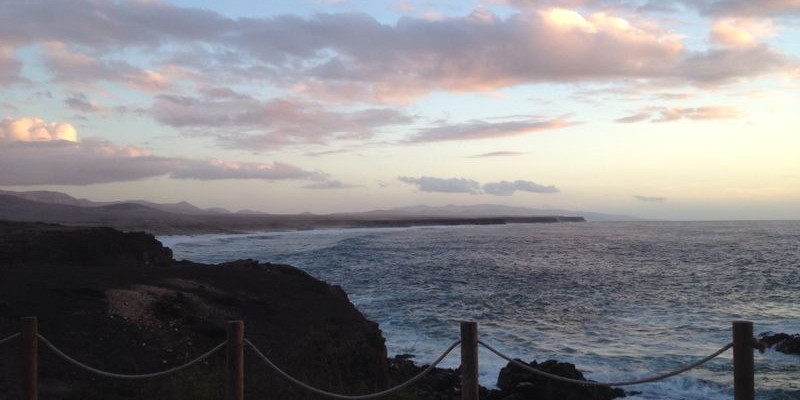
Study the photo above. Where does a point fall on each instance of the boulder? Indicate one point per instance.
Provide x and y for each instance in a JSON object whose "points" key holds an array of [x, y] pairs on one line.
{"points": [[783, 342], [516, 383]]}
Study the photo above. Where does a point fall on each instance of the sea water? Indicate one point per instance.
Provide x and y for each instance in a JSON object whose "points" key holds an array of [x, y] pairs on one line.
{"points": [[619, 300]]}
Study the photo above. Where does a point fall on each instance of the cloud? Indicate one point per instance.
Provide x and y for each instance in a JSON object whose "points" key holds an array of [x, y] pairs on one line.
{"points": [[443, 185], [506, 188], [498, 154], [35, 130], [107, 24], [671, 114], [726, 65], [35, 152], [219, 169], [638, 117], [10, 67], [479, 129], [463, 185], [650, 199], [79, 102], [328, 184], [761, 8], [349, 57], [71, 66], [71, 163], [242, 121], [741, 32]]}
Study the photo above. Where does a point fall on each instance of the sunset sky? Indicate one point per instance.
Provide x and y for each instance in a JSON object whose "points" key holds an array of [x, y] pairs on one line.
{"points": [[656, 109]]}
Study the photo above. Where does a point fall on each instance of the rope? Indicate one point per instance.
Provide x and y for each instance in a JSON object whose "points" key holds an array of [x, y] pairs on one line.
{"points": [[622, 383], [356, 397], [9, 338], [128, 376]]}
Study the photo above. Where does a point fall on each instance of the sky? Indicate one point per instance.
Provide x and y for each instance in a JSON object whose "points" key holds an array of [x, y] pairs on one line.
{"points": [[681, 110]]}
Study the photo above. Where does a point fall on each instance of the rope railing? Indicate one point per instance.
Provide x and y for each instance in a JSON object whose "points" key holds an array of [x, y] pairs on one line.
{"points": [[351, 397], [8, 339], [128, 376], [743, 368], [649, 379]]}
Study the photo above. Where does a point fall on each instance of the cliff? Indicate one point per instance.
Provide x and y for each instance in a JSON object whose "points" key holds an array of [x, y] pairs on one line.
{"points": [[118, 301]]}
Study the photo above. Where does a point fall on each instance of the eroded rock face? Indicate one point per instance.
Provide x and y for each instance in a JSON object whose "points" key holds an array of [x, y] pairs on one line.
{"points": [[783, 342], [516, 383]]}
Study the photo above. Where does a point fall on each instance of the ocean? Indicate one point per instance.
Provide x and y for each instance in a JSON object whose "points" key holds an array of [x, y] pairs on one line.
{"points": [[620, 300]]}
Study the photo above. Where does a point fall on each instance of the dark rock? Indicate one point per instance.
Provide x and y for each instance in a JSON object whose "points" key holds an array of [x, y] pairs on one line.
{"points": [[439, 384], [516, 383], [783, 342], [29, 243], [105, 298]]}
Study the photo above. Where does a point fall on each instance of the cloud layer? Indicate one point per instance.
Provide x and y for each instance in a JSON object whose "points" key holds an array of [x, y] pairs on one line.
{"points": [[35, 152], [242, 121], [352, 57]]}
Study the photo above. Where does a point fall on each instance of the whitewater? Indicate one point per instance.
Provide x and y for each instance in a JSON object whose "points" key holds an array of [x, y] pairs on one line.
{"points": [[619, 300]]}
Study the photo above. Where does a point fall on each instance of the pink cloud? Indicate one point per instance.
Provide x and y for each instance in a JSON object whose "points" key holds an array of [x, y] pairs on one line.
{"points": [[478, 129], [741, 32], [670, 114], [70, 65], [348, 58], [35, 152], [243, 121]]}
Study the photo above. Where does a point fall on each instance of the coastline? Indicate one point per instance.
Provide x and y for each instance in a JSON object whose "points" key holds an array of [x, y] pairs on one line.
{"points": [[146, 310]]}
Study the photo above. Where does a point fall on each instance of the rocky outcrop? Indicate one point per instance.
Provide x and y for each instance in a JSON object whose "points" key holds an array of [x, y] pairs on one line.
{"points": [[783, 342], [25, 243], [516, 383], [128, 315]]}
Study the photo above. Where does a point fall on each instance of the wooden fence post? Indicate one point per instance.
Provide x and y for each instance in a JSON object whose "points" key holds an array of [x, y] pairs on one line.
{"points": [[469, 361], [743, 371], [29, 359], [235, 387]]}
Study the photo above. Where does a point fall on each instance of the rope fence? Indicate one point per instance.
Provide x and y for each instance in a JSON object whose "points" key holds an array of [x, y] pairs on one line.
{"points": [[8, 339], [382, 393], [650, 379], [128, 376], [742, 345]]}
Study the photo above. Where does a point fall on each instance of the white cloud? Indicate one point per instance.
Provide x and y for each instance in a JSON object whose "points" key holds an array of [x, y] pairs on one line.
{"points": [[741, 32], [463, 185], [506, 188], [443, 185], [35, 130]]}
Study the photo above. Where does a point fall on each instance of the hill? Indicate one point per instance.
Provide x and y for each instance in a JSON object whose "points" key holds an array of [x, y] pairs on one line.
{"points": [[185, 218]]}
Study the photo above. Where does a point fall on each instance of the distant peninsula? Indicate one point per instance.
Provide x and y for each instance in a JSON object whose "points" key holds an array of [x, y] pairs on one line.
{"points": [[185, 219]]}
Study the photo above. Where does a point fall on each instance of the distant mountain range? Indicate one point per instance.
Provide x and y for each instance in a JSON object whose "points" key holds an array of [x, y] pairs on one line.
{"points": [[46, 196], [185, 218]]}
